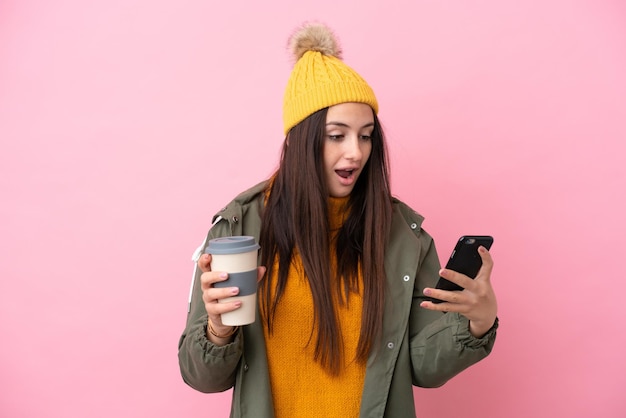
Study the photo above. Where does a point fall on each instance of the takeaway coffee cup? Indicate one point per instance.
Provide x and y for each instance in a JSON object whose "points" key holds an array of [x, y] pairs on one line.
{"points": [[238, 257]]}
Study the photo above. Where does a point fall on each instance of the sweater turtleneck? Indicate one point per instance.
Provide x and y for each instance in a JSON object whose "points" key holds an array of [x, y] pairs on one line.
{"points": [[301, 387]]}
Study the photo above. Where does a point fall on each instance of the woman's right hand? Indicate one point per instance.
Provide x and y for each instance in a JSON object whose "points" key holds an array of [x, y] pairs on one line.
{"points": [[211, 295]]}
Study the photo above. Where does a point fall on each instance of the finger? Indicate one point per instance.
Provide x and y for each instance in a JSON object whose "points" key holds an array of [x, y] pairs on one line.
{"points": [[485, 271], [456, 277], [441, 307], [215, 295], [452, 297], [216, 310], [260, 273], [217, 302], [212, 294], [204, 262], [208, 278]]}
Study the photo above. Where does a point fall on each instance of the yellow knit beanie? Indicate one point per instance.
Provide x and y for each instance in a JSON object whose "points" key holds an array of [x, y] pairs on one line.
{"points": [[320, 78]]}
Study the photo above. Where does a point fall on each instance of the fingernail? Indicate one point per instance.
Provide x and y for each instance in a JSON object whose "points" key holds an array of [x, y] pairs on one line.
{"points": [[442, 272], [427, 292], [223, 275], [234, 290]]}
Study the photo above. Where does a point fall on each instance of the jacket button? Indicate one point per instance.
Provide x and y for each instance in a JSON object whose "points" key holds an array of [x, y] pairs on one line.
{"points": [[406, 278], [413, 225], [235, 219], [245, 367], [390, 345]]}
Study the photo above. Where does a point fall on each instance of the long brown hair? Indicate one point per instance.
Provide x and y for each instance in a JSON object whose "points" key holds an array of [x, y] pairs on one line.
{"points": [[296, 217]]}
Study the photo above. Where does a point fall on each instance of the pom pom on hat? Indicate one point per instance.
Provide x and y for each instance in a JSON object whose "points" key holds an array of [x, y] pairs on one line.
{"points": [[314, 37], [320, 78]]}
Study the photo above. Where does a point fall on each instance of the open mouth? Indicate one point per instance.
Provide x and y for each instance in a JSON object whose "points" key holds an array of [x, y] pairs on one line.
{"points": [[346, 174]]}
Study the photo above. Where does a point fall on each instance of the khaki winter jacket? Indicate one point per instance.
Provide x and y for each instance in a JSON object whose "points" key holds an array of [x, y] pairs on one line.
{"points": [[418, 347]]}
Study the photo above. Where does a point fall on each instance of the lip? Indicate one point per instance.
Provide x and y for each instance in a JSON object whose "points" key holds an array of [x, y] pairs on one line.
{"points": [[350, 168], [347, 181]]}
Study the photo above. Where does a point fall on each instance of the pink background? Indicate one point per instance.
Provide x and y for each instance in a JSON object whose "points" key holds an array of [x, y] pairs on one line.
{"points": [[125, 125]]}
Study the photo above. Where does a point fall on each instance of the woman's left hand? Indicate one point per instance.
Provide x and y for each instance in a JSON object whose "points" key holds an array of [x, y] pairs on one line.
{"points": [[477, 301]]}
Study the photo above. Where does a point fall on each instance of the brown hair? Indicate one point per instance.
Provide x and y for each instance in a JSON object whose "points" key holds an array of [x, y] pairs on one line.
{"points": [[296, 217]]}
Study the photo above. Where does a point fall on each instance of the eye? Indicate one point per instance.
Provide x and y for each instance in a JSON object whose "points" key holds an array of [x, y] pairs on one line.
{"points": [[366, 135], [337, 137]]}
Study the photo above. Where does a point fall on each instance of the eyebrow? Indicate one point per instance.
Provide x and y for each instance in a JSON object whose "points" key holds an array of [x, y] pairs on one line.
{"points": [[345, 125]]}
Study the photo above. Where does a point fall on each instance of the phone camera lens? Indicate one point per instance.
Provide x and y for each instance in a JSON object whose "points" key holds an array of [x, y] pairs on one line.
{"points": [[470, 241]]}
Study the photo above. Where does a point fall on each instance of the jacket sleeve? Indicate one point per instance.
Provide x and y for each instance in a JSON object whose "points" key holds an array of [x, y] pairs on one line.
{"points": [[440, 343], [203, 365]]}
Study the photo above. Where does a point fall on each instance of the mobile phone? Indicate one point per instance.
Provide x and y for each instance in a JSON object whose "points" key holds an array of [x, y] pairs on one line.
{"points": [[464, 259]]}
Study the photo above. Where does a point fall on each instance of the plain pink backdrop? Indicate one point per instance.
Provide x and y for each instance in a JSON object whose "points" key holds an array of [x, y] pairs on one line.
{"points": [[125, 125]]}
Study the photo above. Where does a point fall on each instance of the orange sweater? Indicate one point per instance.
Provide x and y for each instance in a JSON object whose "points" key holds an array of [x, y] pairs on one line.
{"points": [[300, 386]]}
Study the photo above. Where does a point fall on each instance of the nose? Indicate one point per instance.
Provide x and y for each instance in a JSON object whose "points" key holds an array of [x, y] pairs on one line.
{"points": [[352, 150]]}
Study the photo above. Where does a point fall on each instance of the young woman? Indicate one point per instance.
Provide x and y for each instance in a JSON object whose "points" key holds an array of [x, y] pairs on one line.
{"points": [[345, 326]]}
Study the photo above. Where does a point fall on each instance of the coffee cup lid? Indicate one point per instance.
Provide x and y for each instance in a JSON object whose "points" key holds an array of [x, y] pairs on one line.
{"points": [[232, 245]]}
